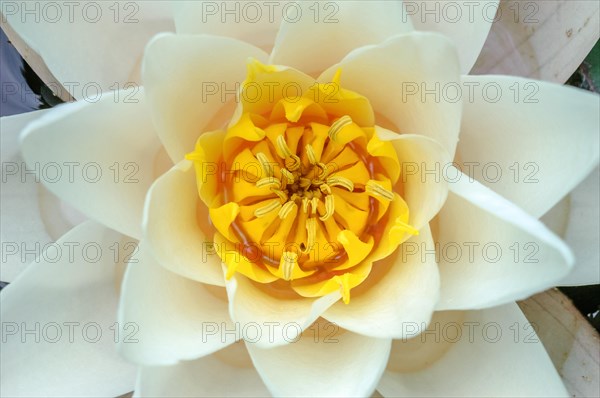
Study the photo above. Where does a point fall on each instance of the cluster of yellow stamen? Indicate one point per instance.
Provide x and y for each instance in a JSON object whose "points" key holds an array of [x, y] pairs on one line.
{"points": [[317, 208]]}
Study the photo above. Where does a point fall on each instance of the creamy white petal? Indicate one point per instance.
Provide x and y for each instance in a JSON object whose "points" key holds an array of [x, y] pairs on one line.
{"points": [[466, 22], [98, 157], [490, 252], [253, 22], [189, 80], [544, 40], [226, 373], [422, 161], [21, 224], [492, 352], [172, 230], [59, 320], [316, 35], [582, 233], [410, 81], [325, 361], [83, 43], [407, 293], [530, 141], [267, 320], [175, 316]]}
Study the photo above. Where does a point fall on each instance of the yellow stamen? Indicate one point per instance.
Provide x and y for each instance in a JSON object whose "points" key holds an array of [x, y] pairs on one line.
{"points": [[286, 209], [288, 175], [373, 188], [341, 182], [282, 195], [329, 208], [337, 126], [325, 188], [311, 232], [310, 153], [265, 164], [263, 182], [288, 262], [314, 202], [263, 211], [283, 149]]}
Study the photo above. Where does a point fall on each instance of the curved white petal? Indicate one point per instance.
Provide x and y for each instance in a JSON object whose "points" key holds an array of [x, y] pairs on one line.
{"points": [[404, 79], [421, 163], [544, 40], [407, 293], [325, 361], [21, 223], [172, 231], [582, 233], [90, 46], [466, 22], [490, 252], [492, 352], [98, 157], [227, 373], [530, 141], [253, 22], [58, 320], [177, 318], [266, 320], [316, 35], [188, 80]]}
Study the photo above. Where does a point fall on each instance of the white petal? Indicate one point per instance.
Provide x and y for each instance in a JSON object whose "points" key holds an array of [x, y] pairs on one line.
{"points": [[176, 316], [493, 352], [316, 35], [582, 234], [403, 79], [83, 43], [325, 361], [407, 293], [189, 80], [267, 320], [172, 231], [533, 142], [226, 373], [21, 223], [253, 22], [544, 40], [98, 157], [466, 22], [420, 157], [58, 320], [490, 252]]}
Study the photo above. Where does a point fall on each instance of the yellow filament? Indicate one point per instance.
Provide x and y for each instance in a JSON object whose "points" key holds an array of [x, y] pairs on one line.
{"points": [[310, 153], [337, 126], [263, 211], [286, 209], [263, 182], [264, 163], [314, 202], [284, 150], [288, 263], [341, 182], [311, 232], [373, 188], [288, 175], [329, 208]]}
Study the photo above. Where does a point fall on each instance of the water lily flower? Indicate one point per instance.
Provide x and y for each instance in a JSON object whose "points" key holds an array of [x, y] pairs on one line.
{"points": [[294, 215]]}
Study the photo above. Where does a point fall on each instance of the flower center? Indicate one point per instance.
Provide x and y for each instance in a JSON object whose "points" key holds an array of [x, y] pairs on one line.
{"points": [[300, 192]]}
